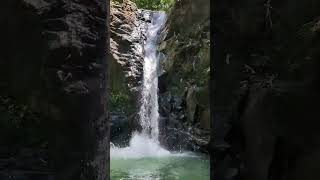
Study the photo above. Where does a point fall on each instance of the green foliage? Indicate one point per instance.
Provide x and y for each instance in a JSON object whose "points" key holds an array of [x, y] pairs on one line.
{"points": [[119, 101], [161, 5]]}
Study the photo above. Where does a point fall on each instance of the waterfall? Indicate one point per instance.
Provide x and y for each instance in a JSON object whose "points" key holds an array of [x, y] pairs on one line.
{"points": [[149, 115], [146, 143], [144, 158]]}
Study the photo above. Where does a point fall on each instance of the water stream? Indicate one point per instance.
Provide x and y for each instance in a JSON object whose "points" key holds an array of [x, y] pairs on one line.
{"points": [[144, 158]]}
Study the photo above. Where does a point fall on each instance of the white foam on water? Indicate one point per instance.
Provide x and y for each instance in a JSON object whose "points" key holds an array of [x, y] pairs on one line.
{"points": [[140, 147]]}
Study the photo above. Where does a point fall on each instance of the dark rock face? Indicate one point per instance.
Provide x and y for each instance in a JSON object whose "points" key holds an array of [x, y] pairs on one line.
{"points": [[120, 130], [266, 72], [184, 78], [53, 61]]}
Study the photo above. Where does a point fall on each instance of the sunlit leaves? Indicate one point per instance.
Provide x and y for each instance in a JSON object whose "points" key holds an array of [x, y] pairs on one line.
{"points": [[163, 5]]}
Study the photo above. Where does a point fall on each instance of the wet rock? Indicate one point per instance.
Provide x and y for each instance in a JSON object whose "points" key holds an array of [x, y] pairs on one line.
{"points": [[184, 76], [128, 35], [120, 132], [128, 28]]}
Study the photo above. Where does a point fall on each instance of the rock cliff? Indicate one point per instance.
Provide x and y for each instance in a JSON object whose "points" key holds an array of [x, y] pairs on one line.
{"points": [[184, 78], [266, 61], [53, 90], [128, 26]]}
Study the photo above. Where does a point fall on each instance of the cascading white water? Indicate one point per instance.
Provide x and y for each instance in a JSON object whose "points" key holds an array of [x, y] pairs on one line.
{"points": [[146, 143], [149, 109]]}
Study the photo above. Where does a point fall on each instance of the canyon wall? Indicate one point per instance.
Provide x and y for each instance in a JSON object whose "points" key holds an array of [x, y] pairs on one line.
{"points": [[54, 121], [184, 77], [266, 76], [128, 26]]}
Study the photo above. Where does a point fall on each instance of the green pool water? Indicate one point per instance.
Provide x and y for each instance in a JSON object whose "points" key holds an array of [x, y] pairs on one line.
{"points": [[161, 168]]}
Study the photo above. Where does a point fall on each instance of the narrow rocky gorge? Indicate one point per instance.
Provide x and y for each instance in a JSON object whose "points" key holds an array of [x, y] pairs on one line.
{"points": [[183, 77], [166, 132]]}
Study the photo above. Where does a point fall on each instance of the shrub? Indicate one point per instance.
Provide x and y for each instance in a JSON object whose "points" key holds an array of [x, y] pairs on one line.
{"points": [[160, 5]]}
